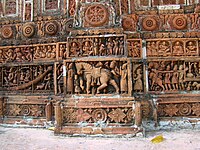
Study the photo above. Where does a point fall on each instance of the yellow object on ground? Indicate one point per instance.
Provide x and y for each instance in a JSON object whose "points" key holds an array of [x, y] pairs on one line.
{"points": [[157, 139], [51, 128]]}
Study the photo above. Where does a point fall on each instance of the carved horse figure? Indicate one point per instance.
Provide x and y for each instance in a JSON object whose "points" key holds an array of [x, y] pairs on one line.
{"points": [[91, 74], [155, 79]]}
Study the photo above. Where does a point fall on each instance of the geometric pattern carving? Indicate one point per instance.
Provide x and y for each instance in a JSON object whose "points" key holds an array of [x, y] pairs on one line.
{"points": [[25, 110], [181, 109], [92, 115]]}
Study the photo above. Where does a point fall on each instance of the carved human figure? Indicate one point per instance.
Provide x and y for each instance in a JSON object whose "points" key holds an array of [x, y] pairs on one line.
{"points": [[19, 55], [74, 49], [27, 76], [22, 77], [53, 53], [62, 50], [27, 11], [49, 51], [70, 80], [181, 77], [109, 45], [134, 49], [149, 50], [178, 48], [156, 79], [48, 82], [9, 76], [164, 49], [191, 48], [138, 81], [29, 51], [77, 88], [153, 49], [96, 46], [87, 49], [102, 50], [43, 52], [121, 46], [37, 52], [60, 79], [175, 78], [2, 57], [167, 78], [10, 56], [116, 46], [123, 81]]}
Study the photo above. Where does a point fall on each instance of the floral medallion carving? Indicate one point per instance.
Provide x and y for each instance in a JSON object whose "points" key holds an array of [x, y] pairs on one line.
{"points": [[196, 109], [99, 115], [96, 15], [51, 28], [7, 32], [149, 23], [179, 22], [129, 24], [171, 110], [117, 115], [28, 30]]}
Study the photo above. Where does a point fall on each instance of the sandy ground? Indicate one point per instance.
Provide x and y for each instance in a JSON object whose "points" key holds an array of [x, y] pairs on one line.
{"points": [[43, 139]]}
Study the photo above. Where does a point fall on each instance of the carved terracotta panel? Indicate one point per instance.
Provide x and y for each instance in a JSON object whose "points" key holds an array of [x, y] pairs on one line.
{"points": [[172, 47], [98, 77], [178, 107], [103, 116], [96, 46], [129, 23], [28, 78], [28, 11], [134, 48], [138, 77], [51, 4], [10, 7]]}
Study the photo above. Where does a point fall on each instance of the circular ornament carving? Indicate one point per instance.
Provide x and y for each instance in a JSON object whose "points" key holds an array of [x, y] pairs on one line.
{"points": [[99, 115], [25, 110], [149, 23], [28, 30], [96, 15], [51, 28], [185, 109], [179, 22], [6, 32], [128, 24], [130, 114]]}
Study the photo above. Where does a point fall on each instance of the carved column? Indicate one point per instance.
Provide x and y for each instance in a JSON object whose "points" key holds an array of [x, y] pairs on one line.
{"points": [[138, 113], [49, 112], [58, 115]]}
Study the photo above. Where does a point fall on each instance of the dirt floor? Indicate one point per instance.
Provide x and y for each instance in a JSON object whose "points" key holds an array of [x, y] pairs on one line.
{"points": [[43, 139]]}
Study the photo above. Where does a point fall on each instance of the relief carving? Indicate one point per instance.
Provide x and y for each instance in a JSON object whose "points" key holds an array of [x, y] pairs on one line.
{"points": [[172, 47], [96, 15], [134, 48], [102, 77], [96, 46], [108, 115], [28, 78]]}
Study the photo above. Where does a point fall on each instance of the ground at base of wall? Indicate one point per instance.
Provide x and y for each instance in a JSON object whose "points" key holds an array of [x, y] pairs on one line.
{"points": [[32, 139]]}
